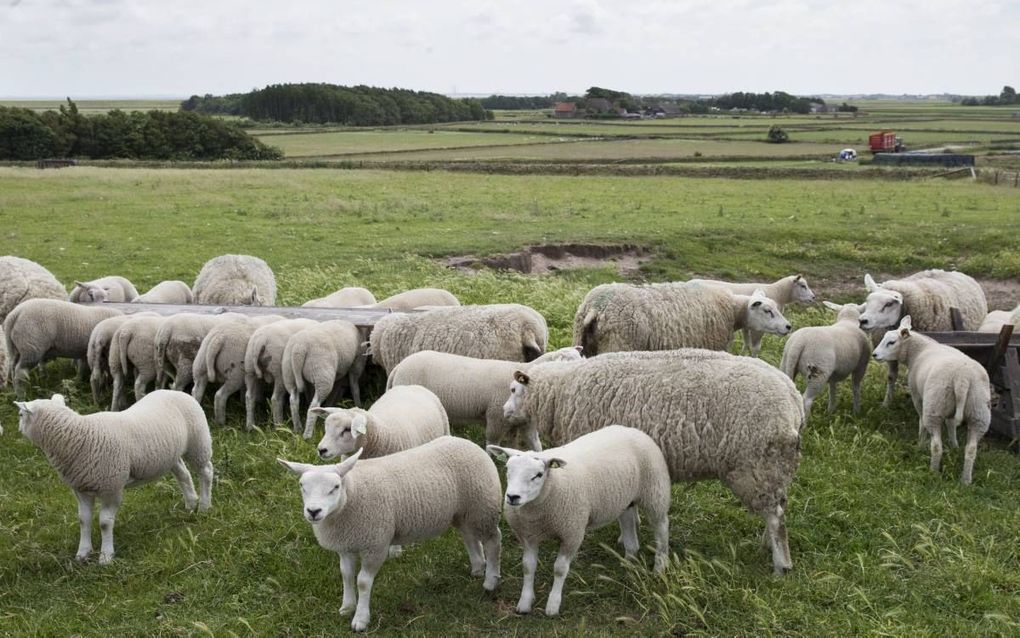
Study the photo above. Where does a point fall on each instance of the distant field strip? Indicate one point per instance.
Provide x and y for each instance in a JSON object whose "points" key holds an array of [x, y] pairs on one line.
{"points": [[96, 106], [349, 143]]}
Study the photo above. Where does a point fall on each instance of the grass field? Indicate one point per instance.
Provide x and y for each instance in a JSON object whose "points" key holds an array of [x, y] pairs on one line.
{"points": [[353, 142], [89, 107], [880, 545]]}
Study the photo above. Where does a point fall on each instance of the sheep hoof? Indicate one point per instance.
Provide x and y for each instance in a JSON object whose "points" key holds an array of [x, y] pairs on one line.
{"points": [[359, 624], [346, 609], [105, 559], [523, 609], [491, 584], [81, 557]]}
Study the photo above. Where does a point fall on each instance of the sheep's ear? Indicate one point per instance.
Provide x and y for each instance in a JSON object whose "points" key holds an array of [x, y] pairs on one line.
{"points": [[580, 349], [80, 284], [58, 399], [862, 307], [359, 425], [555, 464], [321, 411], [870, 284], [23, 407], [297, 468], [348, 464], [501, 453], [255, 296], [521, 378], [798, 278], [905, 326], [832, 306], [758, 292]]}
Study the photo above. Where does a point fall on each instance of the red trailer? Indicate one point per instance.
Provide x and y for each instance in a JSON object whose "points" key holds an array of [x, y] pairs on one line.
{"points": [[884, 142]]}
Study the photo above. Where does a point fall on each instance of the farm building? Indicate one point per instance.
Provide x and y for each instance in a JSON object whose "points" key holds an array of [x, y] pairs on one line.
{"points": [[565, 110]]}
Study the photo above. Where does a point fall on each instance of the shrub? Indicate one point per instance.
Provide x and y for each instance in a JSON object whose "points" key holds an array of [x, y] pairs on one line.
{"points": [[776, 135]]}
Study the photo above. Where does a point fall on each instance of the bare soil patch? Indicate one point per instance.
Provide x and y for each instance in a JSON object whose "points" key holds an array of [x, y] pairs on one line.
{"points": [[626, 258]]}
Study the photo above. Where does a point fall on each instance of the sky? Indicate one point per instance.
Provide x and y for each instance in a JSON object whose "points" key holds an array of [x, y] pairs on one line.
{"points": [[134, 48]]}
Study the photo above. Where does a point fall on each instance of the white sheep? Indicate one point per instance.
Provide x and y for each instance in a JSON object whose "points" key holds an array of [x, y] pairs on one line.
{"points": [[416, 298], [361, 508], [946, 386], [829, 354], [98, 353], [402, 418], [996, 319], [471, 390], [713, 414], [626, 317], [170, 292], [349, 297], [98, 455], [263, 363], [132, 352], [177, 342], [598, 478], [42, 329], [23, 279], [789, 289], [113, 288], [510, 332], [235, 280], [320, 357]]}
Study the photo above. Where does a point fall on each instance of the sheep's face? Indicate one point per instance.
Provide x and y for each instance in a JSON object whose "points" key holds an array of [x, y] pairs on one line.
{"points": [[526, 474], [801, 291], [344, 428], [883, 307], [763, 315], [322, 487], [892, 343], [514, 407], [91, 293]]}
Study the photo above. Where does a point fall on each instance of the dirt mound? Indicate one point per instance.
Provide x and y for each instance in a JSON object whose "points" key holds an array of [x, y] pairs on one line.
{"points": [[626, 258]]}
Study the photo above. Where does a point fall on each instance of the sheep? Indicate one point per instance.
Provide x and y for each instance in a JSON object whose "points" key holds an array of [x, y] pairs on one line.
{"points": [[588, 483], [829, 354], [23, 279], [416, 298], [100, 454], [402, 418], [786, 290], [471, 390], [360, 508], [42, 329], [510, 332], [624, 317], [98, 352], [177, 342], [235, 280], [263, 363], [996, 319], [715, 415], [344, 298], [319, 357], [946, 386], [132, 351], [171, 292], [927, 297], [114, 288]]}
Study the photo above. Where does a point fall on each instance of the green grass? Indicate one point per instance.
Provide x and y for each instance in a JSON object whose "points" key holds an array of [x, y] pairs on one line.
{"points": [[90, 107], [880, 545], [376, 141]]}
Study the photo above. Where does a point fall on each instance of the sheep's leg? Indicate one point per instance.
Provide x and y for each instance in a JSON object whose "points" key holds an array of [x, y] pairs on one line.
{"points": [[250, 391], [295, 410], [776, 529], [755, 341], [832, 395], [85, 504], [349, 569], [82, 368], [560, 570], [96, 381], [371, 561], [660, 522], [934, 427], [276, 402], [141, 383], [974, 434], [198, 390], [352, 380], [476, 555], [118, 390], [628, 532], [951, 425], [857, 378], [183, 378], [109, 503], [205, 481], [746, 342], [183, 477], [225, 391], [20, 380], [890, 386], [530, 563], [492, 547], [813, 389], [321, 390]]}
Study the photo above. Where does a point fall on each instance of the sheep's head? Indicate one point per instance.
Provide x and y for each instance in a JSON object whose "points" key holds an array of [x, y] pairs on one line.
{"points": [[322, 486], [27, 411], [892, 343], [763, 315], [801, 291], [526, 473], [845, 312], [344, 431], [883, 307], [91, 292], [514, 407], [570, 353]]}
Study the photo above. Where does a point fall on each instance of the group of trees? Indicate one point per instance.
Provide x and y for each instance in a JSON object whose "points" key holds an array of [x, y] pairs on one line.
{"points": [[769, 102], [28, 135], [347, 105], [1007, 97]]}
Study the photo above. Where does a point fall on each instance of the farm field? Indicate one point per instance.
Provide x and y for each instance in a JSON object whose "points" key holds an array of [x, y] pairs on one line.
{"points": [[377, 141], [97, 106], [880, 544]]}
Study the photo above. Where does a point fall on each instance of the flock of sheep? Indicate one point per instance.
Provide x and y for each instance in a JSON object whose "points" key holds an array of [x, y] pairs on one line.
{"points": [[648, 357]]}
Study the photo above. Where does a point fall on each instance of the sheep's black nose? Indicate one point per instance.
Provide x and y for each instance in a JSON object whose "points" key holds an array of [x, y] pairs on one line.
{"points": [[313, 513], [788, 327], [864, 323], [323, 452], [513, 499]]}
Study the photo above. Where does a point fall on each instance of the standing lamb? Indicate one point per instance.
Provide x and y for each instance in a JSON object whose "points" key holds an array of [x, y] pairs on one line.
{"points": [[714, 415], [23, 279], [169, 292], [113, 288], [132, 351], [786, 290], [361, 508], [626, 317], [471, 390], [598, 478], [100, 454], [418, 297], [995, 320], [344, 298], [927, 297], [946, 386], [829, 354], [235, 280], [263, 363], [177, 342], [510, 332], [98, 353]]}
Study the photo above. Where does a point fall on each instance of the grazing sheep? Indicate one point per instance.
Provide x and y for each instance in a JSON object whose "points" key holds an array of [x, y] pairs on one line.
{"points": [[402, 418], [418, 297], [997, 319], [42, 329], [132, 351], [177, 342], [510, 332], [946, 386], [601, 477], [263, 363], [361, 508], [471, 390], [343, 298], [786, 290], [98, 455], [927, 297], [23, 279], [170, 292], [625, 317], [98, 353], [713, 414], [235, 280], [113, 288], [320, 357], [829, 354]]}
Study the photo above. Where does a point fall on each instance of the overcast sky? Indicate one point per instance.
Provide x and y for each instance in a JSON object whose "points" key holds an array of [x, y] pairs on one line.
{"points": [[83, 48]]}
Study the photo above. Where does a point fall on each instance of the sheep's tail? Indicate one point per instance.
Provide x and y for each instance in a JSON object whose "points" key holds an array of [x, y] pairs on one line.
{"points": [[159, 354], [589, 334], [961, 388], [257, 353], [297, 364], [212, 351], [123, 341], [791, 359]]}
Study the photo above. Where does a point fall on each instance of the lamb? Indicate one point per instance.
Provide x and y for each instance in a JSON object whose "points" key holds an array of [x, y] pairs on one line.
{"points": [[786, 290], [42, 329], [113, 288], [829, 354], [177, 342], [471, 390], [927, 297], [714, 415], [23, 279], [98, 353], [100, 454], [418, 297], [510, 332], [343, 298], [946, 386], [360, 508], [319, 357], [588, 483], [625, 317], [132, 351], [235, 280], [171, 292], [263, 363], [995, 320], [404, 417]]}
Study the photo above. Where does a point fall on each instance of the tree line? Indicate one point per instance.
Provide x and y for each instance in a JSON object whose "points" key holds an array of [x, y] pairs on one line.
{"points": [[1006, 97]]}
